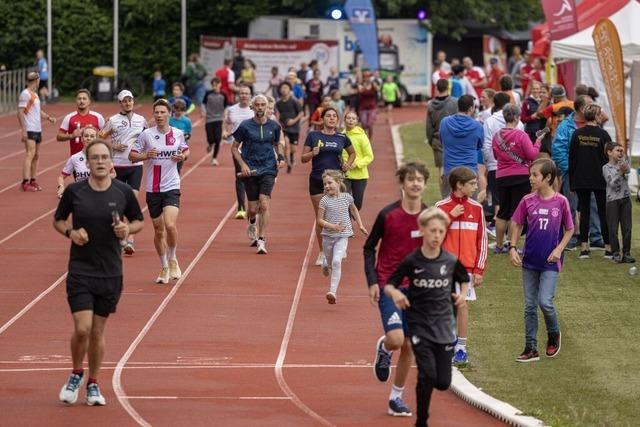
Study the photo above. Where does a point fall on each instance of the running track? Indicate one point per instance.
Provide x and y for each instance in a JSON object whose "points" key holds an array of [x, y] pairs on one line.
{"points": [[242, 339]]}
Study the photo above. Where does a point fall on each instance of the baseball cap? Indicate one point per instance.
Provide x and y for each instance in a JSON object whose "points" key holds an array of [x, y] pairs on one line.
{"points": [[123, 94], [558, 91]]}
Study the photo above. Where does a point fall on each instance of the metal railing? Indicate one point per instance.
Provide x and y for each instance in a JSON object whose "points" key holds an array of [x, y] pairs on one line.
{"points": [[12, 82]]}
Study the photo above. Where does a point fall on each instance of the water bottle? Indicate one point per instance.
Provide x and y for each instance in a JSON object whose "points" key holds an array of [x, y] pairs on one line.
{"points": [[633, 271]]}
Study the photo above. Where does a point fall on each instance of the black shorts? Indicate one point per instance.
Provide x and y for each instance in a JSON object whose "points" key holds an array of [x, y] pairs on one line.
{"points": [[131, 175], [511, 189], [293, 137], [387, 103], [214, 132], [35, 136], [43, 83], [258, 185], [316, 186], [156, 202], [98, 294]]}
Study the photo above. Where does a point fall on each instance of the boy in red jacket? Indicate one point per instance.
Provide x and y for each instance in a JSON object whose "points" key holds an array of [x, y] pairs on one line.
{"points": [[467, 240]]}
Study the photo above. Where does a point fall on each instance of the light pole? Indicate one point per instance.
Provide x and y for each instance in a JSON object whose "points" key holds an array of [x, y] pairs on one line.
{"points": [[49, 61], [183, 38], [115, 43]]}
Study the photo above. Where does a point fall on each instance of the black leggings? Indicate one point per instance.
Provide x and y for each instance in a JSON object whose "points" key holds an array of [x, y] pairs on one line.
{"points": [[240, 192], [584, 205], [214, 136], [434, 371], [356, 187]]}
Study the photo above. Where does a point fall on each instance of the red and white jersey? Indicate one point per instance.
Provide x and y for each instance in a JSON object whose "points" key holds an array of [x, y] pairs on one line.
{"points": [[475, 74], [124, 130], [73, 121], [29, 102], [161, 173], [77, 166]]}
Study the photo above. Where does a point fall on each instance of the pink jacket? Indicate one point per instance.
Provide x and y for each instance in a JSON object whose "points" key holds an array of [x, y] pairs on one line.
{"points": [[519, 155]]}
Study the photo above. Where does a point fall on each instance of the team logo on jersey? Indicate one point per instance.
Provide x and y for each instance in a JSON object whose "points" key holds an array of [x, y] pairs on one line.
{"points": [[443, 270], [555, 212], [81, 159], [123, 123], [157, 136], [171, 141], [320, 144], [418, 270], [394, 319]]}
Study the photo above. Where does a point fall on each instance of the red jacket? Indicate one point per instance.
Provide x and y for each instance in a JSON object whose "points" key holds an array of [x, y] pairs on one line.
{"points": [[467, 234]]}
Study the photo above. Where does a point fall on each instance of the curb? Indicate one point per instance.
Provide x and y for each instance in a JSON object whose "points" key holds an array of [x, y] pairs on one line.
{"points": [[460, 386]]}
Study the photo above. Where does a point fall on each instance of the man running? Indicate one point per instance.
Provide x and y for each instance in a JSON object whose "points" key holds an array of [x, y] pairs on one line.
{"points": [[260, 139], [290, 113], [235, 115], [162, 147], [30, 118], [124, 128], [72, 124], [94, 281], [396, 230]]}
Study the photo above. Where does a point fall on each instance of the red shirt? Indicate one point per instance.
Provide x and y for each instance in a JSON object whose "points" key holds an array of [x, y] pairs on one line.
{"points": [[525, 69], [75, 120], [223, 75], [475, 75], [368, 99], [494, 79]]}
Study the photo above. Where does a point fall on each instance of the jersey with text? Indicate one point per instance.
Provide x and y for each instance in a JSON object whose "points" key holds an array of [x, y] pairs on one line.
{"points": [[73, 121], [124, 130], [76, 165]]}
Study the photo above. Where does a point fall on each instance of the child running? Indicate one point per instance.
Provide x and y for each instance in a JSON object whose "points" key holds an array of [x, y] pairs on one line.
{"points": [[549, 229], [333, 216], [432, 273]]}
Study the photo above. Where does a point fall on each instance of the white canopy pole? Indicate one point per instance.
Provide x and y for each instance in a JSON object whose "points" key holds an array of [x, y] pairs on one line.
{"points": [[115, 42]]}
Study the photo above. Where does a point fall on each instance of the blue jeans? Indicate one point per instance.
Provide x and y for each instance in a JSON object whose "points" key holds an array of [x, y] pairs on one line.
{"points": [[539, 291]]}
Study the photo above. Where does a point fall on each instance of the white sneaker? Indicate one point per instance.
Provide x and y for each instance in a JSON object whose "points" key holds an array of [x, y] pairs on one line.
{"points": [[174, 269], [163, 277], [253, 234], [321, 259], [94, 397], [69, 392], [262, 249], [214, 162]]}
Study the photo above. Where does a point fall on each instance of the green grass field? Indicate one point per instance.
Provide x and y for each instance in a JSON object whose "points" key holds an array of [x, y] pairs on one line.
{"points": [[594, 380]]}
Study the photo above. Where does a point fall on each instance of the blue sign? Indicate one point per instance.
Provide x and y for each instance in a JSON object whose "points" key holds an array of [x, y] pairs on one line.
{"points": [[362, 19]]}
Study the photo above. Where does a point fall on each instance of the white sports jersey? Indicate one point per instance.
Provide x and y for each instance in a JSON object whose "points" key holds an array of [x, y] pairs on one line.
{"points": [[77, 166], [124, 131], [237, 114], [30, 103], [161, 173]]}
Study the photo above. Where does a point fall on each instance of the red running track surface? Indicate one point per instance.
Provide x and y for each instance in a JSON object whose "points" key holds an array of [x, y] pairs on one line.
{"points": [[242, 339]]}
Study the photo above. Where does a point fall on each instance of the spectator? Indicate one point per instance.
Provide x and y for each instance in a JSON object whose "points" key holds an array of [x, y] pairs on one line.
{"points": [[486, 104], [537, 73], [159, 85], [559, 96], [533, 122], [441, 106], [506, 86], [43, 72], [524, 71], [441, 57], [494, 75], [475, 75], [195, 74], [515, 58]]}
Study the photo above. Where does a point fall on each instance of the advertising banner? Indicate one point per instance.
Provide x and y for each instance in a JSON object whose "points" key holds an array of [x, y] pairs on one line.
{"points": [[561, 17], [213, 51], [362, 19]]}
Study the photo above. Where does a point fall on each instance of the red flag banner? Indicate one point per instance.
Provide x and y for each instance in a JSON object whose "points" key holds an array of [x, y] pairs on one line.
{"points": [[609, 52], [560, 17]]}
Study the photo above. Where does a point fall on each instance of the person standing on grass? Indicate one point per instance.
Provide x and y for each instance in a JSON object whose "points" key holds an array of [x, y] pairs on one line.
{"points": [[334, 216], [30, 119], [549, 229], [72, 124], [429, 306], [441, 106], [616, 174], [358, 175], [323, 148], [214, 103], [98, 206], [394, 235], [162, 147], [467, 240]]}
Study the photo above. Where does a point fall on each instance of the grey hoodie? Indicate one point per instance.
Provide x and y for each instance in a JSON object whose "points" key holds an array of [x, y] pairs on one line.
{"points": [[438, 109]]}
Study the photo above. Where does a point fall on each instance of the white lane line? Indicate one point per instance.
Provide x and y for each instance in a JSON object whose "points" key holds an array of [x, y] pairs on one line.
{"points": [[210, 397], [40, 172], [117, 374], [287, 336]]}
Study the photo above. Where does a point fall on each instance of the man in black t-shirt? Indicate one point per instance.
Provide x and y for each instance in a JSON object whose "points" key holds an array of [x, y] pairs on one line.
{"points": [[289, 113], [94, 281]]}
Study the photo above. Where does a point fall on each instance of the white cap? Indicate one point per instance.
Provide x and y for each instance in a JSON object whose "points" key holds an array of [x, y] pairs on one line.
{"points": [[123, 94]]}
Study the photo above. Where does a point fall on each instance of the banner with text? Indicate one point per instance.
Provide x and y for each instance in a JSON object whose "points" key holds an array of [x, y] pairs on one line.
{"points": [[561, 18]]}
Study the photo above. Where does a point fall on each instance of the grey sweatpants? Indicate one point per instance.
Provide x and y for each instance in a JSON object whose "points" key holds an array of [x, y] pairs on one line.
{"points": [[334, 248]]}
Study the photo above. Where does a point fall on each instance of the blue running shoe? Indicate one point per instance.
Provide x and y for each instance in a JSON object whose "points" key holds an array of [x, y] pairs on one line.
{"points": [[382, 363], [94, 397], [69, 392], [397, 408], [460, 357]]}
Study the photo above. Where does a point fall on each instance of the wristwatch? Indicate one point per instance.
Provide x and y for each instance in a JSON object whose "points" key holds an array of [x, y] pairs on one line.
{"points": [[67, 232], [512, 247]]}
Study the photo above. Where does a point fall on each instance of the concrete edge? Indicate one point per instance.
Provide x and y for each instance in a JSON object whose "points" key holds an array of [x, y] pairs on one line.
{"points": [[462, 387]]}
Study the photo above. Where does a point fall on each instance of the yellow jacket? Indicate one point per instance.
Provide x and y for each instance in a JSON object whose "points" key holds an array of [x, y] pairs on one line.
{"points": [[364, 153]]}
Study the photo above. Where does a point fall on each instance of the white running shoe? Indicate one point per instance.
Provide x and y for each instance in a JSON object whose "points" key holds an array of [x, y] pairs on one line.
{"points": [[262, 249], [215, 162], [69, 392], [94, 397], [252, 233], [163, 277], [321, 259], [174, 269]]}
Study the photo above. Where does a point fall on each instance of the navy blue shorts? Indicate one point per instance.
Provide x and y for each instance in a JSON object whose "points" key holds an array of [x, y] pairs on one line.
{"points": [[392, 317]]}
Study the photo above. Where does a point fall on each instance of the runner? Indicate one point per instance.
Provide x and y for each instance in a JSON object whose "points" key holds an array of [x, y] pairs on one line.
{"points": [[76, 165], [395, 235], [214, 103], [124, 128], [260, 139], [30, 119], [290, 114], [94, 281], [162, 147], [72, 124], [235, 115], [324, 149], [227, 79]]}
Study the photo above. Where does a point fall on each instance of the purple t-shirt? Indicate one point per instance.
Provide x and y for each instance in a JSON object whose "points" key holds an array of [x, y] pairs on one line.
{"points": [[547, 222]]}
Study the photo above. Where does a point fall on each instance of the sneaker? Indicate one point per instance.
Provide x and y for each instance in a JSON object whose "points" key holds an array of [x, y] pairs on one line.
{"points": [[528, 355], [553, 344], [460, 357], [331, 298], [382, 363], [500, 250], [584, 255], [94, 397], [28, 187], [241, 214], [129, 249], [262, 248], [69, 391], [617, 258], [35, 185], [215, 162], [321, 259], [174, 269], [326, 270], [597, 246], [491, 232], [627, 259], [608, 255], [163, 277], [253, 234], [397, 408], [209, 147]]}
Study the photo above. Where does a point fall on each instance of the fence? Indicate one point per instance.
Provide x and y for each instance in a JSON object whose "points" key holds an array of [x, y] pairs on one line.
{"points": [[12, 82]]}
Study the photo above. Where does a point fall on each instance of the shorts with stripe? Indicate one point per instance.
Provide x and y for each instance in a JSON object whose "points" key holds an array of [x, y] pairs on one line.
{"points": [[392, 317]]}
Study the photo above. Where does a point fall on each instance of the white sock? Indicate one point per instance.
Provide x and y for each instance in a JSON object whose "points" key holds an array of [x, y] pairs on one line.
{"points": [[461, 344], [163, 260], [171, 252], [396, 392], [385, 349]]}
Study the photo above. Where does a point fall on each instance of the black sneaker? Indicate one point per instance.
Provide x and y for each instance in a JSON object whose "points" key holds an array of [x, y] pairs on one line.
{"points": [[528, 355], [627, 259], [584, 255], [553, 344], [617, 258], [608, 255], [382, 363]]}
